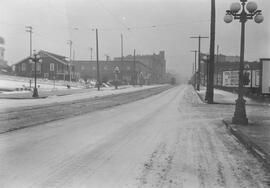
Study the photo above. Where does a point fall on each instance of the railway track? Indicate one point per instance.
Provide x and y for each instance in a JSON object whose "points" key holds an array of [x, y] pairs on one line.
{"points": [[18, 118]]}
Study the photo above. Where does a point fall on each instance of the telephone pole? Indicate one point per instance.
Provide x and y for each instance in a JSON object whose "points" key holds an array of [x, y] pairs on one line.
{"points": [[122, 58], [70, 49], [195, 67], [30, 30], [122, 48], [217, 62], [134, 67], [199, 60], [211, 66], [98, 83]]}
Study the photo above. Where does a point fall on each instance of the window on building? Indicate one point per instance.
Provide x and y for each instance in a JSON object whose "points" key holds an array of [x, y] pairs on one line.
{"points": [[46, 75], [51, 66], [82, 67], [23, 67]]}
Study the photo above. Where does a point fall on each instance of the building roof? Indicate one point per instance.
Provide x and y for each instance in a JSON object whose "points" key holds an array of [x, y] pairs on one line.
{"points": [[53, 54], [114, 61], [56, 57]]}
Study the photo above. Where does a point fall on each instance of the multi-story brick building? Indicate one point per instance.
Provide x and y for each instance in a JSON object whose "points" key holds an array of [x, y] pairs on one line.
{"points": [[129, 71], [3, 63], [155, 62]]}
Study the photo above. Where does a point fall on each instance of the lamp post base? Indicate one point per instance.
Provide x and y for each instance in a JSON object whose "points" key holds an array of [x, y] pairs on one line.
{"points": [[35, 93], [240, 112]]}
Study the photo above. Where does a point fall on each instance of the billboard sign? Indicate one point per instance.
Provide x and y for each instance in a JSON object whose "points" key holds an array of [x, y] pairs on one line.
{"points": [[231, 78], [265, 76]]}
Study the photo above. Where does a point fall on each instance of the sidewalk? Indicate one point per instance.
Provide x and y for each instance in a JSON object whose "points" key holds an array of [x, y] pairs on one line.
{"points": [[256, 135]]}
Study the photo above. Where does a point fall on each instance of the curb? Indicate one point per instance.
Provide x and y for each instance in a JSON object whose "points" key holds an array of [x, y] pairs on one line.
{"points": [[256, 150], [201, 98]]}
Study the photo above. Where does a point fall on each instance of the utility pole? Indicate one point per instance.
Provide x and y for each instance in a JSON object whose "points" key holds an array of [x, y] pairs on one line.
{"points": [[217, 63], [122, 57], [211, 66], [73, 60], [195, 68], [30, 30], [134, 67], [122, 48], [199, 60], [98, 83], [70, 49]]}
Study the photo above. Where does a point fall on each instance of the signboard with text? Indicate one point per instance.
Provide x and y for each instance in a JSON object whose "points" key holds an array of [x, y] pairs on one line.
{"points": [[231, 78]]}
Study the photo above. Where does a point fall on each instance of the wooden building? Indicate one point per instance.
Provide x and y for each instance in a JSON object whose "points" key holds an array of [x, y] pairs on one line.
{"points": [[52, 67]]}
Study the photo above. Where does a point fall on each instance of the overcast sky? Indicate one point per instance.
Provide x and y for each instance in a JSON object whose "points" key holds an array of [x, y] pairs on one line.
{"points": [[147, 26]]}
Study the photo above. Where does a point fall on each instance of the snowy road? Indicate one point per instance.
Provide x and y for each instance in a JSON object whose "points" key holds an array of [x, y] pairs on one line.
{"points": [[167, 140]]}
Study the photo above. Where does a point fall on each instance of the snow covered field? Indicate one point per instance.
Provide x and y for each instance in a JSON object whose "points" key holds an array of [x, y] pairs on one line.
{"points": [[13, 82]]}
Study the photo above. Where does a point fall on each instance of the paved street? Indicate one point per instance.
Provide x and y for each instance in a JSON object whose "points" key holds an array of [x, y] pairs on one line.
{"points": [[23, 114], [168, 140]]}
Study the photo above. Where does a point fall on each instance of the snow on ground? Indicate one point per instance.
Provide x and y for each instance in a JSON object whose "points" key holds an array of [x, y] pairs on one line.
{"points": [[13, 83], [13, 103], [226, 97], [161, 141]]}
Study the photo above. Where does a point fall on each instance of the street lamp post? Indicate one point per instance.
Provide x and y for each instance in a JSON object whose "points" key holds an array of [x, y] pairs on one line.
{"points": [[243, 16], [116, 72], [35, 58]]}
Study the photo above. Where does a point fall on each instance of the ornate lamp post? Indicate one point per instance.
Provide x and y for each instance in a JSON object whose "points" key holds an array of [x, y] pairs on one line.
{"points": [[35, 58], [243, 16], [116, 72]]}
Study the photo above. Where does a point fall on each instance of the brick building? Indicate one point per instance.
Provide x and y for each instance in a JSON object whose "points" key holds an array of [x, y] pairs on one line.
{"points": [[155, 62], [226, 72], [128, 71], [4, 68]]}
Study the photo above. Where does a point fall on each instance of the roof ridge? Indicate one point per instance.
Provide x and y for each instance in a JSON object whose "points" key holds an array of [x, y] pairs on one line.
{"points": [[52, 56]]}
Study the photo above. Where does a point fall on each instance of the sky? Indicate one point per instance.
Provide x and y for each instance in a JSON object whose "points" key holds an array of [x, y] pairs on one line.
{"points": [[148, 26]]}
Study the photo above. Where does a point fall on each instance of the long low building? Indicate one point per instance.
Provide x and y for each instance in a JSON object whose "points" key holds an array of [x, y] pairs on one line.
{"points": [[128, 71], [53, 66]]}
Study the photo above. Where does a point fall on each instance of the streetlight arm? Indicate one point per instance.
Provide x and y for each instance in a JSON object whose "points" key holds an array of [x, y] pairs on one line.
{"points": [[238, 16]]}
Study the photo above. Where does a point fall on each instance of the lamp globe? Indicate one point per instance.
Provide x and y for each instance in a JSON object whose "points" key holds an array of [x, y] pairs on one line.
{"points": [[235, 7], [251, 6], [258, 18], [228, 18]]}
